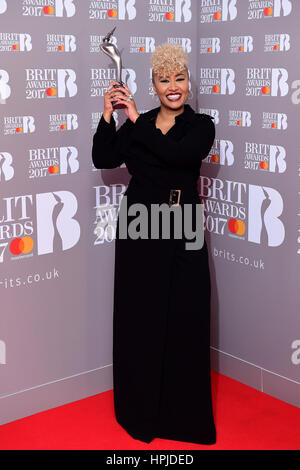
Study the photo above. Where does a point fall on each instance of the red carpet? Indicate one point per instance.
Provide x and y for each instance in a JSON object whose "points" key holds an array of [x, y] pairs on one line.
{"points": [[245, 420]]}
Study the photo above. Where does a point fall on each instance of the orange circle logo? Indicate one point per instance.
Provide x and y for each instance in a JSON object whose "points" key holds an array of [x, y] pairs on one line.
{"points": [[266, 90], [264, 165], [48, 10], [215, 158], [240, 227], [142, 49], [27, 244], [51, 91], [268, 11], [15, 47], [21, 245], [53, 169], [19, 129], [209, 49], [276, 47], [112, 13], [216, 89], [274, 125], [169, 16], [236, 226], [217, 15], [60, 48]]}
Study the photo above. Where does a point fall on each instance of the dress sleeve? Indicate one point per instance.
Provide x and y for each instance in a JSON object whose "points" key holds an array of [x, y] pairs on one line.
{"points": [[108, 144], [185, 153]]}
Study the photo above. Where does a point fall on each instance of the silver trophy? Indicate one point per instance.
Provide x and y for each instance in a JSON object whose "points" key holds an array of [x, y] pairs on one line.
{"points": [[111, 50]]}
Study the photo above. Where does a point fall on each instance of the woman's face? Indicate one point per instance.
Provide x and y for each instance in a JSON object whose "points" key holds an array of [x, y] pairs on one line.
{"points": [[172, 89]]}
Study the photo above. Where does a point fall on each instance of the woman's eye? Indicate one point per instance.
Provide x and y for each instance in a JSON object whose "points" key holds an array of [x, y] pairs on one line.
{"points": [[180, 79]]}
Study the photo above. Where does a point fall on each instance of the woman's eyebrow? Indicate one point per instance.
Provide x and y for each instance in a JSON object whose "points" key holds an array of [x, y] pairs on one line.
{"points": [[167, 77]]}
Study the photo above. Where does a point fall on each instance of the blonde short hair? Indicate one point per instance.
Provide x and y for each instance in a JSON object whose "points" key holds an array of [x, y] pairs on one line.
{"points": [[168, 58]]}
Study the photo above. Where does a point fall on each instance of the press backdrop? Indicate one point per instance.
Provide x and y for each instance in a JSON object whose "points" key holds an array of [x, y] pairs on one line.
{"points": [[57, 245]]}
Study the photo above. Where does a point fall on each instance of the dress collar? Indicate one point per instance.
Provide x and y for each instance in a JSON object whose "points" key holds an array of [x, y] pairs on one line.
{"points": [[187, 114]]}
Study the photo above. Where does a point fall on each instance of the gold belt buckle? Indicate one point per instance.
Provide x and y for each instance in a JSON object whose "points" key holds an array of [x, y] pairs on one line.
{"points": [[173, 195]]}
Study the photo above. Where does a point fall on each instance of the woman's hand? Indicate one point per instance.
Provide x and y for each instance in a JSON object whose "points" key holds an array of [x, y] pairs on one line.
{"points": [[119, 96], [108, 107]]}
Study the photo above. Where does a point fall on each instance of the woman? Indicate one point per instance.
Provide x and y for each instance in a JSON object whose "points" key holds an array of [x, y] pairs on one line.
{"points": [[161, 323]]}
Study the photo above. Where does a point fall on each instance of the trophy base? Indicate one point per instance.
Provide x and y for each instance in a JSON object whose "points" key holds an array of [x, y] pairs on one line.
{"points": [[118, 106]]}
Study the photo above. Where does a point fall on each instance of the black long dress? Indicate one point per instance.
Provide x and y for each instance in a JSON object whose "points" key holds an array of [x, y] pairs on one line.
{"points": [[161, 318]]}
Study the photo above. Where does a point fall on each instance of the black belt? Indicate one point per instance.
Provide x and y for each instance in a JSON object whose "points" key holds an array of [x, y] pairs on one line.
{"points": [[172, 196]]}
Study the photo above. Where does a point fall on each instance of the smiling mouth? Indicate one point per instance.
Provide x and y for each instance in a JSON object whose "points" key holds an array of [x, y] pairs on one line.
{"points": [[174, 96]]}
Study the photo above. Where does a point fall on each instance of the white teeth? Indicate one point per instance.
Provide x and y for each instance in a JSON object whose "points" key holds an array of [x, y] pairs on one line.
{"points": [[173, 97]]}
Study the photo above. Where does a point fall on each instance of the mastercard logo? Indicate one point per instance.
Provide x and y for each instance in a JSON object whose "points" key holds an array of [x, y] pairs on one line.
{"points": [[264, 165], [266, 90], [274, 125], [241, 48], [142, 49], [215, 158], [63, 127], [216, 89], [209, 49], [239, 123], [60, 48], [169, 16], [268, 11], [19, 129], [51, 91], [48, 10], [276, 47], [53, 169], [236, 226], [21, 245], [112, 13], [15, 47], [217, 15]]}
